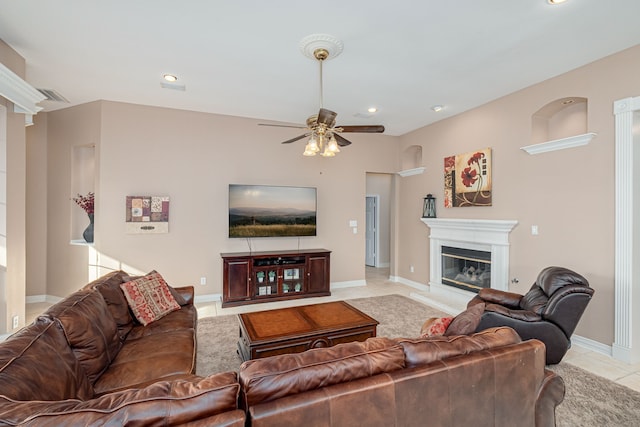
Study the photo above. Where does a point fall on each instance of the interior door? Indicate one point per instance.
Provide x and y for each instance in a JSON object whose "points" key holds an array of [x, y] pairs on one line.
{"points": [[371, 228]]}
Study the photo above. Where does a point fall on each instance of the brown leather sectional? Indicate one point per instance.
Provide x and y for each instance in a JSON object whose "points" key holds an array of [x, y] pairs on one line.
{"points": [[491, 378], [86, 362]]}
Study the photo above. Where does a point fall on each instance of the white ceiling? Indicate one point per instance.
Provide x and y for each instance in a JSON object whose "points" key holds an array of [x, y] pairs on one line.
{"points": [[242, 57]]}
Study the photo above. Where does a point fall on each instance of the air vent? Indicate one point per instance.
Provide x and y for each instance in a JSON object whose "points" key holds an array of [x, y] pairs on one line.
{"points": [[174, 86], [52, 95]]}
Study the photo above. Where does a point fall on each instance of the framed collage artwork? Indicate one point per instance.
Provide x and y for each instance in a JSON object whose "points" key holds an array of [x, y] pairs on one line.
{"points": [[147, 214]]}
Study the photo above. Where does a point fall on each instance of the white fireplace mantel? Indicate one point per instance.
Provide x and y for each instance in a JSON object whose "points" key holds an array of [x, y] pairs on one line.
{"points": [[478, 234]]}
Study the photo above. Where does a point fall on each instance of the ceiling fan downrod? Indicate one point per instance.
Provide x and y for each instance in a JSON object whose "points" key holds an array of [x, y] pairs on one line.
{"points": [[321, 54]]}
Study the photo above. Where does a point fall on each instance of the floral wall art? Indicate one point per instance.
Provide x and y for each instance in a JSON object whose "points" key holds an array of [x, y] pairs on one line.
{"points": [[467, 179], [147, 214]]}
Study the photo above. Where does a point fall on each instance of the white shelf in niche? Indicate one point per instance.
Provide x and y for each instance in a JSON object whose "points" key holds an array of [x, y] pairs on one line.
{"points": [[409, 172], [560, 144], [80, 242]]}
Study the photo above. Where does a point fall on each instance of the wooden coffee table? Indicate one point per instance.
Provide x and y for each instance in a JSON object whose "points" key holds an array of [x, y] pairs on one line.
{"points": [[296, 329]]}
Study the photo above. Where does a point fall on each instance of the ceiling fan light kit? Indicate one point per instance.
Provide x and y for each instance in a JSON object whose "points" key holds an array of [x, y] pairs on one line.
{"points": [[324, 135]]}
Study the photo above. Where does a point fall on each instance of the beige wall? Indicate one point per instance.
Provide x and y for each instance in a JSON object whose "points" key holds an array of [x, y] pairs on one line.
{"points": [[569, 194], [379, 184], [67, 265], [37, 154], [12, 296], [193, 157]]}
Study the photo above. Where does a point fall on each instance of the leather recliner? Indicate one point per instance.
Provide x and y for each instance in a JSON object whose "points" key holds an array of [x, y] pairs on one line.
{"points": [[550, 311]]}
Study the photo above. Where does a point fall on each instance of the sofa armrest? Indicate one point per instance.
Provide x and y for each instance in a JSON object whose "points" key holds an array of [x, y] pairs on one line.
{"points": [[166, 403], [550, 395], [496, 296], [186, 292]]}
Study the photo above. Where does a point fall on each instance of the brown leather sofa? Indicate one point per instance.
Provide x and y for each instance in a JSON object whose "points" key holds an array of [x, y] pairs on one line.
{"points": [[86, 362], [491, 378]]}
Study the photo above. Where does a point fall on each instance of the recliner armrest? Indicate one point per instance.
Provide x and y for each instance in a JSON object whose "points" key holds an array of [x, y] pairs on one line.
{"points": [[496, 296], [524, 315]]}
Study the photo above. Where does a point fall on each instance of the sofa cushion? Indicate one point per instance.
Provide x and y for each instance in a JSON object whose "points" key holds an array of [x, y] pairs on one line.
{"points": [[164, 403], [36, 363], [535, 300], [109, 286], [274, 377], [553, 278], [151, 358], [91, 332], [466, 322], [149, 298], [185, 318], [426, 350]]}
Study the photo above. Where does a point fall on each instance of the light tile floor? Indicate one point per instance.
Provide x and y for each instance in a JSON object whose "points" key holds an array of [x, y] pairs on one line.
{"points": [[378, 284]]}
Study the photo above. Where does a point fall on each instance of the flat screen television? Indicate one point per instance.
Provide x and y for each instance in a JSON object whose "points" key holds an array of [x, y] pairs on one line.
{"points": [[272, 211]]}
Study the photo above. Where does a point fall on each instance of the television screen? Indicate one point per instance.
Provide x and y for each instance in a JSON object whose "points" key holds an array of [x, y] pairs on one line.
{"points": [[271, 211]]}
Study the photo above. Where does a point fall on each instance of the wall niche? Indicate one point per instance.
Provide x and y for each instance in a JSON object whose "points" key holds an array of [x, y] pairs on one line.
{"points": [[411, 161], [560, 124]]}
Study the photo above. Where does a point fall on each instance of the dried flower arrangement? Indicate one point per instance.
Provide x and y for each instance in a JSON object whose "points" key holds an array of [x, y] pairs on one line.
{"points": [[85, 202]]}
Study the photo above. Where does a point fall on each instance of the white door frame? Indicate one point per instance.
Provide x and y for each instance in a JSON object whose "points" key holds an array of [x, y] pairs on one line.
{"points": [[376, 226]]}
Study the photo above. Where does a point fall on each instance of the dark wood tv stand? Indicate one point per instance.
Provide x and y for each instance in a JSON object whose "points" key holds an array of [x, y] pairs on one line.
{"points": [[253, 277]]}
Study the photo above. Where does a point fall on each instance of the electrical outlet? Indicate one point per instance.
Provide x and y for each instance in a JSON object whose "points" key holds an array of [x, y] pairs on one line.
{"points": [[203, 280], [15, 320], [411, 268]]}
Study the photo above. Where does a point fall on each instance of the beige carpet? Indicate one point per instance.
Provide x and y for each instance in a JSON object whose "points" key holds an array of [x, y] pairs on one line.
{"points": [[590, 400]]}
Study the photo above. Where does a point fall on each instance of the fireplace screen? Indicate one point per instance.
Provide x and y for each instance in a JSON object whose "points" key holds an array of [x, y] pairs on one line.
{"points": [[466, 269]]}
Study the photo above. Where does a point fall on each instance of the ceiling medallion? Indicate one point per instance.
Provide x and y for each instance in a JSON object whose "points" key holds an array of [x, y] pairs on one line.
{"points": [[310, 44]]}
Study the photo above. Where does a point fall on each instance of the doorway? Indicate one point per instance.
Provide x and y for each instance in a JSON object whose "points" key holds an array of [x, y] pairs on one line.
{"points": [[378, 202], [371, 235]]}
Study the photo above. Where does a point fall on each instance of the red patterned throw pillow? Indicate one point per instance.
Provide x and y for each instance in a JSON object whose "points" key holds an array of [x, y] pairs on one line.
{"points": [[149, 298], [435, 326]]}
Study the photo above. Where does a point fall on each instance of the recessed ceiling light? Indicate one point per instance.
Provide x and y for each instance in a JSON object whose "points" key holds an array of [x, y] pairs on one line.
{"points": [[437, 108], [170, 78], [555, 1], [372, 109]]}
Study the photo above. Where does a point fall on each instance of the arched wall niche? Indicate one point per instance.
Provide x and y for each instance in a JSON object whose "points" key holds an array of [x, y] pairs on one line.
{"points": [[559, 119], [411, 161]]}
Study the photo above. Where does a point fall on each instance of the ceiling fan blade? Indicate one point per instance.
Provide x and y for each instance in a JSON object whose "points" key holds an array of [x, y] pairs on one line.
{"points": [[363, 128], [327, 117], [282, 126], [297, 138], [342, 141]]}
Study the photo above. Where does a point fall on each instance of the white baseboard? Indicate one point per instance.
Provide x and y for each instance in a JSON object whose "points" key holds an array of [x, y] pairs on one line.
{"points": [[34, 299], [347, 284], [208, 298], [592, 345], [417, 285]]}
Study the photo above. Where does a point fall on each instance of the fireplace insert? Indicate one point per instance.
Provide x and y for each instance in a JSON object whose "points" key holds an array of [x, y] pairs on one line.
{"points": [[466, 269]]}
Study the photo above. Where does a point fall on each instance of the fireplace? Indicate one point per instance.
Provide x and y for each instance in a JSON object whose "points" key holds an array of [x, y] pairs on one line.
{"points": [[467, 255], [466, 269]]}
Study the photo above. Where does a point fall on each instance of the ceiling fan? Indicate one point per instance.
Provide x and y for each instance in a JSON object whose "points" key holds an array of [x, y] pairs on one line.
{"points": [[324, 136]]}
